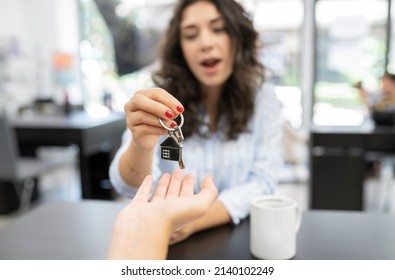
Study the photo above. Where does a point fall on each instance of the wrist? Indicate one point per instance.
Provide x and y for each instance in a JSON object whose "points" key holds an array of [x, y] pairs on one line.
{"points": [[136, 148], [139, 168], [141, 237]]}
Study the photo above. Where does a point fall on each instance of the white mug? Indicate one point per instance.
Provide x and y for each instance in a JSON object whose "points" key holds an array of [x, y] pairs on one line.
{"points": [[274, 222]]}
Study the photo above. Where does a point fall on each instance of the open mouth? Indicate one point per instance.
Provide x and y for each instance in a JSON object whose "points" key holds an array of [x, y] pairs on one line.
{"points": [[210, 62]]}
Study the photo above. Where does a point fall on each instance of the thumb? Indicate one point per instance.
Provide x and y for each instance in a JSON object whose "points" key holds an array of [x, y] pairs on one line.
{"points": [[208, 192]]}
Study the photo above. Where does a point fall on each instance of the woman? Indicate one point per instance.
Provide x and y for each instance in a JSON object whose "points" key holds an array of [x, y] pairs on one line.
{"points": [[210, 73], [379, 101]]}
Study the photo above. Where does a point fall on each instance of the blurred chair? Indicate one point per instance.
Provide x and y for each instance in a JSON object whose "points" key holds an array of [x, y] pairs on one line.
{"points": [[386, 198], [295, 155], [19, 171]]}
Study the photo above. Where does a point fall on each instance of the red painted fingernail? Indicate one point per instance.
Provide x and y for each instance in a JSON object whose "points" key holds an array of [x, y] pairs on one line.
{"points": [[173, 124], [180, 108], [169, 114]]}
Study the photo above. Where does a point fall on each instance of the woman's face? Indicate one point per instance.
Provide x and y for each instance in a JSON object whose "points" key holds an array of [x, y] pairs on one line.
{"points": [[206, 45]]}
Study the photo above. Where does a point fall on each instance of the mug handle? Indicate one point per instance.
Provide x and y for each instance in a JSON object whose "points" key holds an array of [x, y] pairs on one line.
{"points": [[298, 218]]}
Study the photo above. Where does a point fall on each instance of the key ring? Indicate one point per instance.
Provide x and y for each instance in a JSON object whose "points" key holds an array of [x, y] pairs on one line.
{"points": [[170, 128]]}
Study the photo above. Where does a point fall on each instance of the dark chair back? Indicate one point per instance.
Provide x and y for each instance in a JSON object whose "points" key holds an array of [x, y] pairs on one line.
{"points": [[9, 151]]}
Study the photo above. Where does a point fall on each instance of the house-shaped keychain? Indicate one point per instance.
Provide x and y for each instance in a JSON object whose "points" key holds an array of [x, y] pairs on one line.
{"points": [[171, 149]]}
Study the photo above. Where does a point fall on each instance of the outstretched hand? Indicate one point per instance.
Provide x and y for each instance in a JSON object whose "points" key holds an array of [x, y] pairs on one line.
{"points": [[142, 229]]}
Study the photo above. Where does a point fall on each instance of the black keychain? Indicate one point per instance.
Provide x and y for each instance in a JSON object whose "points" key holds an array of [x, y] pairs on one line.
{"points": [[171, 147]]}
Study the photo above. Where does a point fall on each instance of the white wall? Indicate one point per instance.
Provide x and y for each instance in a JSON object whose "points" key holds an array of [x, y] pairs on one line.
{"points": [[40, 28], [11, 18]]}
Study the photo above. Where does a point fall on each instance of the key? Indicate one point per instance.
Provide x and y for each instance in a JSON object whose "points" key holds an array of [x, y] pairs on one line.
{"points": [[171, 147], [180, 137]]}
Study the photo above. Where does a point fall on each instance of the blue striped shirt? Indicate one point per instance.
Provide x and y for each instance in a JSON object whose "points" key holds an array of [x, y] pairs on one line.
{"points": [[242, 168]]}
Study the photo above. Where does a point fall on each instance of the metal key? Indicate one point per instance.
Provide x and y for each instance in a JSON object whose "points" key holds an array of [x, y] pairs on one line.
{"points": [[171, 147]]}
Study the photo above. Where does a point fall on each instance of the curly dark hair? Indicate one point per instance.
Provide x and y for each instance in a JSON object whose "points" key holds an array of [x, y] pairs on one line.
{"points": [[236, 106]]}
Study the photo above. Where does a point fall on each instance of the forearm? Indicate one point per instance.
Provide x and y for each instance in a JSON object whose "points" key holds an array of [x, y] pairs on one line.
{"points": [[135, 164]]}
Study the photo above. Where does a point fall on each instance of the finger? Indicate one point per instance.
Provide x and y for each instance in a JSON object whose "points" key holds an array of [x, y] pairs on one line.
{"points": [[166, 98], [175, 184], [141, 102], [202, 201], [157, 102], [177, 236], [188, 186], [141, 117], [161, 187], [173, 239], [208, 192], [146, 130], [144, 191]]}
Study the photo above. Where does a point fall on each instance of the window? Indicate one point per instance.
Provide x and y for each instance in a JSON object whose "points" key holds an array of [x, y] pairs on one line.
{"points": [[97, 55], [117, 39], [166, 153], [350, 47], [280, 24], [391, 53]]}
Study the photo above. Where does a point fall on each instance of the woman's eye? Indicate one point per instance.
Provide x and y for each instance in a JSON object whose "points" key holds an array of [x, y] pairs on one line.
{"points": [[222, 29], [189, 36]]}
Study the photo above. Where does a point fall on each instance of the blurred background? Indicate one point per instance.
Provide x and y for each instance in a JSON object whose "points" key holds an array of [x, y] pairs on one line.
{"points": [[95, 53], [96, 49]]}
